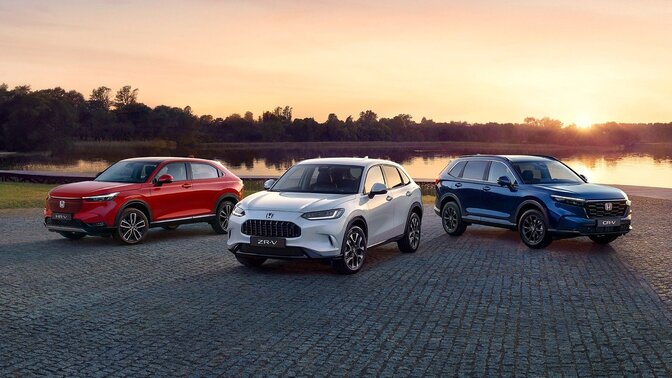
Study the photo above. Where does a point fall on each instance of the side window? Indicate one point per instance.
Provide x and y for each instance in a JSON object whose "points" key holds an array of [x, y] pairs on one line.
{"points": [[475, 170], [497, 170], [404, 177], [177, 170], [146, 171], [457, 169], [392, 176], [200, 171], [375, 175]]}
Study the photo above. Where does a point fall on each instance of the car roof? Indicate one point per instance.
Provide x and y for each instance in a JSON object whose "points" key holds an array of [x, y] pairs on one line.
{"points": [[511, 158], [364, 162], [161, 159]]}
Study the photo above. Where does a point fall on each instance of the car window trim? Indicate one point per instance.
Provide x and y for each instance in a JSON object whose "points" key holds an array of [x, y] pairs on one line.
{"points": [[200, 179], [367, 176]]}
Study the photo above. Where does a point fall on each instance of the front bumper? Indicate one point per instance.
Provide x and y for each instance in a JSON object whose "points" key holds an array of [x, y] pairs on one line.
{"points": [[319, 239], [76, 225]]}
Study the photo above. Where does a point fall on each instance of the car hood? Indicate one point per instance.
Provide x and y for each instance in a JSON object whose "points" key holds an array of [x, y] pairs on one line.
{"points": [[586, 191], [90, 188], [298, 202]]}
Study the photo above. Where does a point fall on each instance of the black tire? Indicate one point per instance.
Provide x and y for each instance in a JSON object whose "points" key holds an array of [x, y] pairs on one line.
{"points": [[410, 242], [533, 229], [171, 227], [224, 209], [603, 239], [132, 228], [72, 235], [353, 251], [451, 218], [250, 262]]}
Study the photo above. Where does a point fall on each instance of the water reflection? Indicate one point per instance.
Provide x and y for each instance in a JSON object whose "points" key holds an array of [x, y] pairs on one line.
{"points": [[647, 167]]}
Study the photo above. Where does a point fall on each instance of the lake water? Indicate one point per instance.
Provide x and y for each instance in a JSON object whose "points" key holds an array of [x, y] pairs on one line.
{"points": [[650, 166]]}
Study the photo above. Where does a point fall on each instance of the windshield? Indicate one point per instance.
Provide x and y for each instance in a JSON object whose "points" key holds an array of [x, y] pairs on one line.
{"points": [[320, 178], [546, 172], [128, 172]]}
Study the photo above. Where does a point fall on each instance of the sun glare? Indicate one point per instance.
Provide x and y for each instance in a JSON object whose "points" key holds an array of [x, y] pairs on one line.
{"points": [[584, 122]]}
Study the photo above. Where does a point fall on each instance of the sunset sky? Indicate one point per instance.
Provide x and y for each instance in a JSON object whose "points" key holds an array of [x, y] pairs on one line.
{"points": [[477, 60]]}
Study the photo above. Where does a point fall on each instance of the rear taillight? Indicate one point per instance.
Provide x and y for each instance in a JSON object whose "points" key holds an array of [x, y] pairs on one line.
{"points": [[437, 181]]}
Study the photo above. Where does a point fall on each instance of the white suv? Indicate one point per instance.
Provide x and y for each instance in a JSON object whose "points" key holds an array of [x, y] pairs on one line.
{"points": [[330, 209]]}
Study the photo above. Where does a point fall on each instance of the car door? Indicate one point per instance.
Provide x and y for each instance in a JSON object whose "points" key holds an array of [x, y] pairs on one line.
{"points": [[206, 186], [379, 209], [171, 200], [400, 200], [470, 188], [499, 202]]}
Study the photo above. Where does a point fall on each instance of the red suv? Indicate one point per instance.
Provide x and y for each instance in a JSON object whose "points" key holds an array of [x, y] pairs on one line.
{"points": [[133, 195]]}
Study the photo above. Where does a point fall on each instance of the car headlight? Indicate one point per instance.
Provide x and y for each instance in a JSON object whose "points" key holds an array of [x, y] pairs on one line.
{"points": [[102, 197], [569, 200], [323, 215], [238, 210]]}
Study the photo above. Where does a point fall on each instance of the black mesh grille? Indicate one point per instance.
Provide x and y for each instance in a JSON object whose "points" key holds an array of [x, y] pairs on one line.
{"points": [[598, 209], [269, 228]]}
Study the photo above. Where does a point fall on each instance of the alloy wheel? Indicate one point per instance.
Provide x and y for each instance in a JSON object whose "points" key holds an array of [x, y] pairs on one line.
{"points": [[450, 218], [224, 214], [132, 227], [414, 231], [533, 229], [355, 249]]}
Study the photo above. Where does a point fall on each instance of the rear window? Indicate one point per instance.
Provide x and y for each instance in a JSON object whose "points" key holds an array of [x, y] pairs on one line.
{"points": [[392, 176], [457, 169], [475, 170], [200, 171]]}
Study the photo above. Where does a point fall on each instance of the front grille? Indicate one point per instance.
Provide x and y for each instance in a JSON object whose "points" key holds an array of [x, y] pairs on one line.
{"points": [[70, 206], [270, 228], [597, 209]]}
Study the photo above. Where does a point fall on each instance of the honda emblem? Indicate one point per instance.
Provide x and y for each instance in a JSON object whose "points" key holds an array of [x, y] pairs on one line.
{"points": [[61, 204], [608, 206], [269, 215]]}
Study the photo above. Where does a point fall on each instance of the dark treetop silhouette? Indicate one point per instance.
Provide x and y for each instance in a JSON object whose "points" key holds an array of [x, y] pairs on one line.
{"points": [[51, 119]]}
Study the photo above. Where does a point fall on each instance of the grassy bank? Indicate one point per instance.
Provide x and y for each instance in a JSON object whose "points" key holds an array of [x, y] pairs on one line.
{"points": [[16, 195]]}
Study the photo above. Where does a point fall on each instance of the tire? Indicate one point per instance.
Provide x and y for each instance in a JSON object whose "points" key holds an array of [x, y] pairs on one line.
{"points": [[72, 235], [451, 218], [533, 229], [171, 227], [353, 251], [132, 228], [410, 242], [250, 262], [603, 239], [223, 213]]}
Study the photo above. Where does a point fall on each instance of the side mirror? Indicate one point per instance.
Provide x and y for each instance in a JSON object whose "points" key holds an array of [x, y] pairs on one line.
{"points": [[164, 179], [268, 184], [504, 181], [377, 189], [584, 178]]}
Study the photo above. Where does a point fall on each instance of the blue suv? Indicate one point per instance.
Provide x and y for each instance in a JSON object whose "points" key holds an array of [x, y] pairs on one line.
{"points": [[539, 196]]}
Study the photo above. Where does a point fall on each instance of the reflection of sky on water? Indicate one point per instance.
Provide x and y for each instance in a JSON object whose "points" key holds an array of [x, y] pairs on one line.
{"points": [[628, 169]]}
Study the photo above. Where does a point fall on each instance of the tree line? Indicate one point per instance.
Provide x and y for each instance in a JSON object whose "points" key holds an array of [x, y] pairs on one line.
{"points": [[51, 119]]}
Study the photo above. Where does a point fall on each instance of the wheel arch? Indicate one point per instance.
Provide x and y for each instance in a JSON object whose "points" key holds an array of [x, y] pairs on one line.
{"points": [[529, 204], [136, 204], [360, 221], [450, 197], [225, 196]]}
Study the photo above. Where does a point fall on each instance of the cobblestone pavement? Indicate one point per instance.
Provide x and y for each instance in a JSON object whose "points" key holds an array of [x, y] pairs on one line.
{"points": [[481, 304]]}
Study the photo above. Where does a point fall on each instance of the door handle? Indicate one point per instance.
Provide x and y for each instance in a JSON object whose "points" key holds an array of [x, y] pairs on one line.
{"points": [[388, 198], [458, 184], [186, 186], [408, 194], [486, 188]]}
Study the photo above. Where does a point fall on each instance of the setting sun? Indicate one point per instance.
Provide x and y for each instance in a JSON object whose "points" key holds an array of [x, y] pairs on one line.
{"points": [[584, 122]]}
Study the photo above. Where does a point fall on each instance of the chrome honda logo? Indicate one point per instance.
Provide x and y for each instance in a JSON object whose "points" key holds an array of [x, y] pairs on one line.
{"points": [[61, 204], [269, 215], [608, 206]]}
